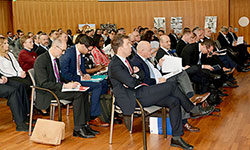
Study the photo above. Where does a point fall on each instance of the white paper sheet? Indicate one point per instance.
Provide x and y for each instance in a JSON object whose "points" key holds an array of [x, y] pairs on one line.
{"points": [[240, 40]]}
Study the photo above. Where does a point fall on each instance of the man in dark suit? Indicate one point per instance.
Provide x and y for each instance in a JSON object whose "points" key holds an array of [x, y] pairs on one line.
{"points": [[44, 43], [186, 38], [70, 38], [174, 39], [73, 69], [47, 75], [127, 86], [17, 101]]}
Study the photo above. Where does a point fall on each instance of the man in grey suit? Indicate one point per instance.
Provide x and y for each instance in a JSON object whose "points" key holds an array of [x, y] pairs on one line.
{"points": [[47, 75]]}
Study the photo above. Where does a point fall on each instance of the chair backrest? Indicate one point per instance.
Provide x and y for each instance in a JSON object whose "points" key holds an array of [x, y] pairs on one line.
{"points": [[217, 43], [32, 74]]}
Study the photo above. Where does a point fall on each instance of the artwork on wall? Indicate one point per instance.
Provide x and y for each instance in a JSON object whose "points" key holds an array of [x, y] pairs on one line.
{"points": [[211, 22], [159, 22], [176, 24], [108, 26], [86, 27], [243, 21]]}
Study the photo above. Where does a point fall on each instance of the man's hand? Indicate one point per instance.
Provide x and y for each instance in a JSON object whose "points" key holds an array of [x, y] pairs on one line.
{"points": [[162, 80], [235, 43], [71, 85], [161, 61], [136, 69], [207, 67], [85, 77], [22, 74], [186, 67]]}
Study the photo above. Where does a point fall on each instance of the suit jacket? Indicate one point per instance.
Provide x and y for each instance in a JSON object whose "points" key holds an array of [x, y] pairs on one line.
{"points": [[179, 47], [119, 76], [160, 53], [45, 78], [190, 54], [69, 42], [223, 42], [137, 61], [40, 50], [231, 36], [173, 41], [69, 67]]}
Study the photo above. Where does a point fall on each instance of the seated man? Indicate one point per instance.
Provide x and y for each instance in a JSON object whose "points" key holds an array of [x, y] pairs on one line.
{"points": [[73, 69], [48, 75], [127, 86], [17, 101]]}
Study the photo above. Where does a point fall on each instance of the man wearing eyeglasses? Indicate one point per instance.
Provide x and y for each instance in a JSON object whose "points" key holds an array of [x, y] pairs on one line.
{"points": [[47, 75], [73, 69]]}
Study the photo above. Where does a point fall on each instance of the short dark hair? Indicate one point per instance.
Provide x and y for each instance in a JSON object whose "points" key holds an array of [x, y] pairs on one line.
{"points": [[112, 30], [208, 43], [84, 39], [186, 30], [52, 31], [148, 36], [161, 31], [118, 42]]}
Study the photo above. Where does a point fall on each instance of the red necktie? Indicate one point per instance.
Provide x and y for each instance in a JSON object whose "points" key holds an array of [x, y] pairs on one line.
{"points": [[130, 68]]}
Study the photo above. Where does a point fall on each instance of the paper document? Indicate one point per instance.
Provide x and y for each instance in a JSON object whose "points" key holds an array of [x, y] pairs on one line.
{"points": [[97, 78], [171, 64], [77, 89], [240, 40]]}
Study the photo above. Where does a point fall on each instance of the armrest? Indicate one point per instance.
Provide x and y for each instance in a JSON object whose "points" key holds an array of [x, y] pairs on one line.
{"points": [[52, 93]]}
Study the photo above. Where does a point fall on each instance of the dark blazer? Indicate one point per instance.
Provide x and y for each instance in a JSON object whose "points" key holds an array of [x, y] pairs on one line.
{"points": [[137, 61], [179, 47], [223, 42], [69, 69], [69, 42], [40, 50], [160, 53], [45, 78], [34, 47], [190, 54], [232, 37], [173, 41], [119, 76]]}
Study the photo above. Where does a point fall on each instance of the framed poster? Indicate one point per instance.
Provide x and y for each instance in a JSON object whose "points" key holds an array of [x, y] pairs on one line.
{"points": [[176, 24], [86, 26], [211, 22], [159, 22]]}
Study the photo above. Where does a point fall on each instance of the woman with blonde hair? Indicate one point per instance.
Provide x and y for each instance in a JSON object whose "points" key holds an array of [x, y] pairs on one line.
{"points": [[10, 68]]}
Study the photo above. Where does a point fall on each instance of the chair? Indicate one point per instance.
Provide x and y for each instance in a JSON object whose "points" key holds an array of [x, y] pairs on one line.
{"points": [[53, 104], [152, 109]]}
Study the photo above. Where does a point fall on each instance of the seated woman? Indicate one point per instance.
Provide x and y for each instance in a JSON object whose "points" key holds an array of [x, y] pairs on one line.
{"points": [[10, 68], [27, 57], [17, 101], [100, 57]]}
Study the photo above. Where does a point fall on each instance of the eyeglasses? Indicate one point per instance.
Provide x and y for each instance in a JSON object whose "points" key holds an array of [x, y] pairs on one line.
{"points": [[63, 50]]}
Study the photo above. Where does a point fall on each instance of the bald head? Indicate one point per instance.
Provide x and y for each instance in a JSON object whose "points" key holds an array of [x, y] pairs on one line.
{"points": [[165, 42], [144, 49], [136, 35]]}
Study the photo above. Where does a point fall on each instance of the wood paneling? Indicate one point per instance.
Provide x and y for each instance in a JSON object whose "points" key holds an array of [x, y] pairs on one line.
{"points": [[52, 14], [5, 17], [238, 9]]}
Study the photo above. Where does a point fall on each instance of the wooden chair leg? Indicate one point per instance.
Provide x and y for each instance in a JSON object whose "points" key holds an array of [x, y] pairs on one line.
{"points": [[143, 125], [164, 126], [53, 114], [112, 121]]}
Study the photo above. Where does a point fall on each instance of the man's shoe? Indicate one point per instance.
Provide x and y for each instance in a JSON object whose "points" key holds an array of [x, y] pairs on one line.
{"points": [[87, 128], [203, 111], [83, 133], [229, 85], [117, 120], [22, 127], [189, 127], [181, 143], [199, 98], [243, 70], [98, 122]]}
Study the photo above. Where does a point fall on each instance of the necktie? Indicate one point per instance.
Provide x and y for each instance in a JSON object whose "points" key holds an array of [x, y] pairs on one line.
{"points": [[130, 68], [79, 64], [152, 75], [56, 71]]}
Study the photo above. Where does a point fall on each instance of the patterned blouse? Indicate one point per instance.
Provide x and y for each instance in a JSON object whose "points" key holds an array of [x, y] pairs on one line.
{"points": [[100, 57]]}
